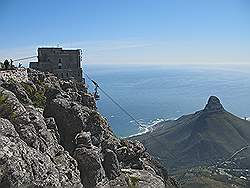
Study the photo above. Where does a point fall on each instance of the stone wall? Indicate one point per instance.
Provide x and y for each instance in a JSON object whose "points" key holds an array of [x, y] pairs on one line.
{"points": [[19, 75], [65, 64]]}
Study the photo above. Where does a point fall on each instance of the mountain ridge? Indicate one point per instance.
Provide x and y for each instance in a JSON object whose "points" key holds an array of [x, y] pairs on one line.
{"points": [[203, 137]]}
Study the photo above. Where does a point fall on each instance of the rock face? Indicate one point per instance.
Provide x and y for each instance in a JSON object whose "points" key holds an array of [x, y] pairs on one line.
{"points": [[29, 152], [111, 164], [52, 135], [213, 105], [90, 164]]}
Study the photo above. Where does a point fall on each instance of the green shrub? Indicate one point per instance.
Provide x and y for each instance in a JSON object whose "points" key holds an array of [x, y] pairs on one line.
{"points": [[37, 97], [3, 98], [39, 100], [29, 89], [6, 111], [132, 181]]}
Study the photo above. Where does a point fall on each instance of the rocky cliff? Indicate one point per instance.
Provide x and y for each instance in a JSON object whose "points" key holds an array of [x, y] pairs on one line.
{"points": [[51, 134]]}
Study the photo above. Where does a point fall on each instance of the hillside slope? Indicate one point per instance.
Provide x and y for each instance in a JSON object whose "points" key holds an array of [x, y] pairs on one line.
{"points": [[204, 137]]}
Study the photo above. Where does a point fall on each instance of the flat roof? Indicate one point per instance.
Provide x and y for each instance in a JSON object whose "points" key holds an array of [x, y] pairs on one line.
{"points": [[53, 48]]}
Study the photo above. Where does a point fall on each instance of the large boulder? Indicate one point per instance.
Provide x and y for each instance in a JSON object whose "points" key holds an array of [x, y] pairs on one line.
{"points": [[18, 90], [70, 118], [89, 161], [111, 164]]}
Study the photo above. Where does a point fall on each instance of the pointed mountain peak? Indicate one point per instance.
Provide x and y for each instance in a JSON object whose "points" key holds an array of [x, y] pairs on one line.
{"points": [[213, 105]]}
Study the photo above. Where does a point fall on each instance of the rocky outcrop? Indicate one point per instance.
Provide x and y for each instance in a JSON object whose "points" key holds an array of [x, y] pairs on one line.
{"points": [[111, 164], [89, 160], [52, 135], [29, 152], [213, 105]]}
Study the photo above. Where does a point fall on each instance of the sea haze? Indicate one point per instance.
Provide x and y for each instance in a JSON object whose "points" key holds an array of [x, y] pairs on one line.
{"points": [[155, 93]]}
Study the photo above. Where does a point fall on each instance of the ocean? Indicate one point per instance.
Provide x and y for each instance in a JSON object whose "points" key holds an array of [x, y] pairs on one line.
{"points": [[153, 93]]}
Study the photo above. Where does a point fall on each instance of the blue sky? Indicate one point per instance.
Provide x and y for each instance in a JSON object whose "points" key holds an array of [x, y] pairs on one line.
{"points": [[130, 31]]}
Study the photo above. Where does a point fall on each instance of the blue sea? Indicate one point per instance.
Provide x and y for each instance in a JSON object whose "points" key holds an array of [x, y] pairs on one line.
{"points": [[153, 93]]}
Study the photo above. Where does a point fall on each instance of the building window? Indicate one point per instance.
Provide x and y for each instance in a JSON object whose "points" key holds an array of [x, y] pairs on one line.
{"points": [[67, 74], [59, 65], [62, 75]]}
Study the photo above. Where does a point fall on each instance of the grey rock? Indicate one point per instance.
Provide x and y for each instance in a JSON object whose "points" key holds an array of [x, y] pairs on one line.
{"points": [[90, 165], [51, 125], [21, 165], [31, 156], [18, 90], [213, 105], [70, 118], [65, 85], [111, 164], [130, 154], [135, 178], [30, 153], [143, 179], [83, 139]]}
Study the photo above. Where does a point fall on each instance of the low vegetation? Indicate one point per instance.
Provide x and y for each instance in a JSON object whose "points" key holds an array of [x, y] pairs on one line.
{"points": [[37, 96]]}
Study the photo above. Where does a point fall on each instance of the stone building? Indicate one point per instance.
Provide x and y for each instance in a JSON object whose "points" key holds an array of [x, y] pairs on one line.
{"points": [[65, 64]]}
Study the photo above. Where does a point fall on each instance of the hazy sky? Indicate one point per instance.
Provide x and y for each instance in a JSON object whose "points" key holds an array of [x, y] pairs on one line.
{"points": [[129, 31]]}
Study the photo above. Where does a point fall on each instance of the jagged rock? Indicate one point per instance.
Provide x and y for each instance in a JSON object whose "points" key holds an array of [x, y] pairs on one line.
{"points": [[21, 165], [51, 93], [65, 85], [83, 139], [70, 118], [51, 125], [41, 76], [213, 105], [152, 165], [18, 90], [111, 164], [29, 139], [143, 179], [95, 124], [88, 100], [90, 165], [136, 178], [129, 154], [81, 87]]}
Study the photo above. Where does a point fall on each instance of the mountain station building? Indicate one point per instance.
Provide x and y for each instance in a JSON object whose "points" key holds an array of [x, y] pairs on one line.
{"points": [[65, 64]]}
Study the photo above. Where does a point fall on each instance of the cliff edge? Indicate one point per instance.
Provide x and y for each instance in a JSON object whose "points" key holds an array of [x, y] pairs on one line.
{"points": [[51, 134]]}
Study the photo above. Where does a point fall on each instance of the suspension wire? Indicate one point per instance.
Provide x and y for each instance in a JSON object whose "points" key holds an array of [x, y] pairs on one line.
{"points": [[20, 59], [170, 154], [115, 102]]}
